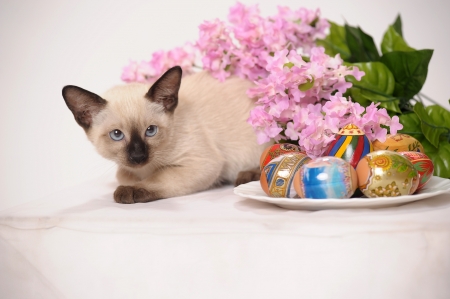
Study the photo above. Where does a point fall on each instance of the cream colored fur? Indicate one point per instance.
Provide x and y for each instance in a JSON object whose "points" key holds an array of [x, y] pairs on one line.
{"points": [[205, 142]]}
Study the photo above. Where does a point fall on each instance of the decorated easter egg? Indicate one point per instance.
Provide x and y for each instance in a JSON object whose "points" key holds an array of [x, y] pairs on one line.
{"points": [[386, 173], [277, 176], [351, 144], [277, 150], [399, 143], [423, 164], [326, 177]]}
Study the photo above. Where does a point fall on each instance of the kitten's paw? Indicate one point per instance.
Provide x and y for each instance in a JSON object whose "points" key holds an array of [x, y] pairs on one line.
{"points": [[130, 194], [248, 176]]}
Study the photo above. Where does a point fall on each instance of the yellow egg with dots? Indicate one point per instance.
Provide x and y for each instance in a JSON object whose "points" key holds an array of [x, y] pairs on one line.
{"points": [[386, 174]]}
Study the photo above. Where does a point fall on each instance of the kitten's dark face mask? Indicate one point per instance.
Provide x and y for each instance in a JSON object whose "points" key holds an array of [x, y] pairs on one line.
{"points": [[134, 147]]}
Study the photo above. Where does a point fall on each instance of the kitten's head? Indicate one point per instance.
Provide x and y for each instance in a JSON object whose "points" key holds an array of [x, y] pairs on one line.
{"points": [[130, 123]]}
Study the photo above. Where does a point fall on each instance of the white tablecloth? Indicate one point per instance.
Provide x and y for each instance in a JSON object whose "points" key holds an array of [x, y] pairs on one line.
{"points": [[80, 244]]}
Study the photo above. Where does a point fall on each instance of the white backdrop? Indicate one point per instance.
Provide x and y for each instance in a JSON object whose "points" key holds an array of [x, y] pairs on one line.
{"points": [[47, 44]]}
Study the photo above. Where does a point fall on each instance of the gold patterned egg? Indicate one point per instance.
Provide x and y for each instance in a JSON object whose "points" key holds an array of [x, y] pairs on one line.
{"points": [[399, 143], [277, 176], [277, 150], [386, 173]]}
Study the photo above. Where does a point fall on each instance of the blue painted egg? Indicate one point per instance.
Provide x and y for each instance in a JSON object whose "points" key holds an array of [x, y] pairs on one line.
{"points": [[326, 177], [351, 144]]}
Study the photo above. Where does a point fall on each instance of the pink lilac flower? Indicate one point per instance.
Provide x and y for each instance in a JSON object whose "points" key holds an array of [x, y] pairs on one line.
{"points": [[161, 61], [394, 125], [129, 72], [291, 131], [305, 100], [182, 56], [295, 99], [266, 126], [242, 47], [216, 45]]}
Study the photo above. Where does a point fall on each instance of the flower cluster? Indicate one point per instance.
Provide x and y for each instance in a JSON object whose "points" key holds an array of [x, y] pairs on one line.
{"points": [[150, 71], [302, 100], [242, 47], [239, 47]]}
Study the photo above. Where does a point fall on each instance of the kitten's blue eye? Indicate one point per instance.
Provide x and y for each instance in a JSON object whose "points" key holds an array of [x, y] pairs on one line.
{"points": [[151, 131], [116, 135]]}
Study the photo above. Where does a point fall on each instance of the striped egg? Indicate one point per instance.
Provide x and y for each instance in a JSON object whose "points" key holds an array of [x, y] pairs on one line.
{"points": [[351, 144]]}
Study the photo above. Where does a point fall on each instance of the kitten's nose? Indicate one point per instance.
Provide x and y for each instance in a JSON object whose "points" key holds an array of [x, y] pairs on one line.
{"points": [[138, 157], [137, 149]]}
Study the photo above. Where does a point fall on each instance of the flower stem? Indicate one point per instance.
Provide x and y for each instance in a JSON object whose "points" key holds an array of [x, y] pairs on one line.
{"points": [[428, 98]]}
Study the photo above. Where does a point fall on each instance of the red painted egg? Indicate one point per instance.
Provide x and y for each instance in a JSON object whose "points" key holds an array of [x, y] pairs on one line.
{"points": [[423, 164]]}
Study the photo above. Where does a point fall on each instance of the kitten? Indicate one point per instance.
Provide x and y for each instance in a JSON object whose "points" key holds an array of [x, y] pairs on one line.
{"points": [[173, 138]]}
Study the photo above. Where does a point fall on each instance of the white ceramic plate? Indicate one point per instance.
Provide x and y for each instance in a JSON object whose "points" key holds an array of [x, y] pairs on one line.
{"points": [[253, 190]]}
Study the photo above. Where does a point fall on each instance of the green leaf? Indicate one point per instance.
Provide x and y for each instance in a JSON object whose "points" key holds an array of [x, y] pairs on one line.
{"points": [[392, 41], [306, 86], [433, 122], [409, 69], [440, 115], [361, 45], [335, 42], [377, 85], [355, 95], [288, 64], [411, 125], [398, 25], [440, 156]]}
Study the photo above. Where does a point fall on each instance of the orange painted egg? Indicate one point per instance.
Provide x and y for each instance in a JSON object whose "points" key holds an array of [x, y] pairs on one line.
{"points": [[326, 177], [277, 150], [423, 164], [399, 143], [277, 176], [386, 173], [351, 144]]}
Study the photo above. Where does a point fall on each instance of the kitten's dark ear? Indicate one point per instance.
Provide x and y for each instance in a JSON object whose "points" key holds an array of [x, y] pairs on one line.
{"points": [[84, 104], [165, 90]]}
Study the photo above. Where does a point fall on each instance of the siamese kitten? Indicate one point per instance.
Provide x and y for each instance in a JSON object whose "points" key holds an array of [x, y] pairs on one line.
{"points": [[172, 138]]}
